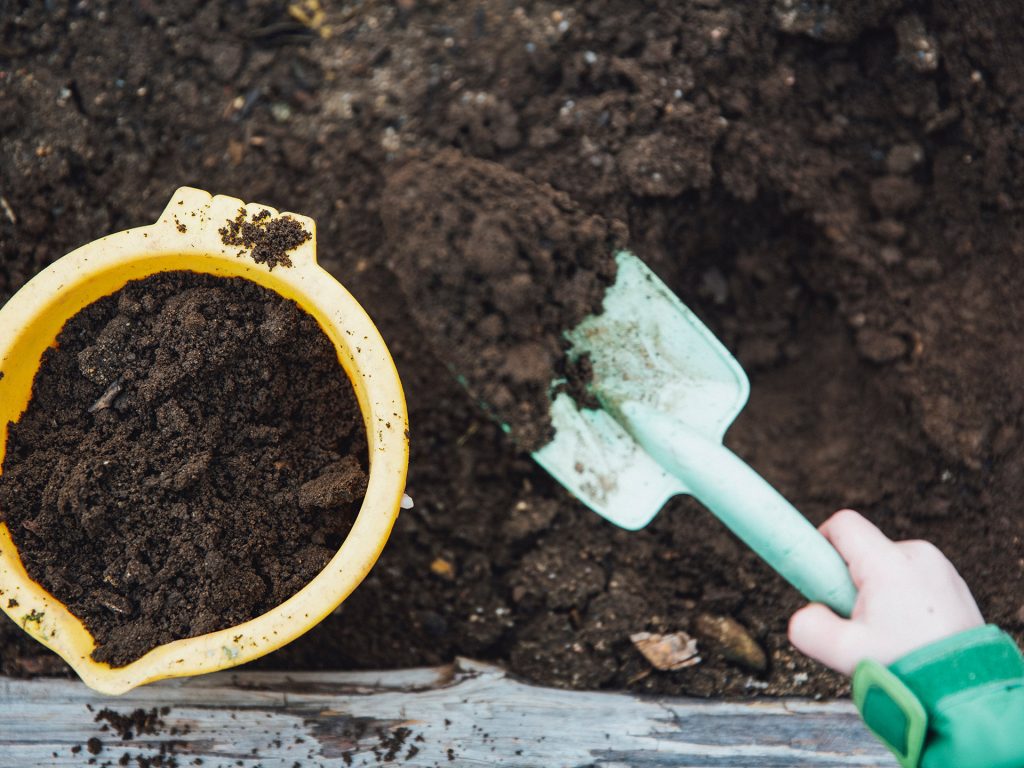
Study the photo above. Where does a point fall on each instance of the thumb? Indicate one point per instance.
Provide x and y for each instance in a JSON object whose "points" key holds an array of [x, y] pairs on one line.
{"points": [[817, 632]]}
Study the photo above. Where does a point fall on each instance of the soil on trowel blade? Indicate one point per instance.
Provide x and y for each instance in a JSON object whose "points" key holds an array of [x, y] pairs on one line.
{"points": [[192, 456], [835, 189], [496, 269]]}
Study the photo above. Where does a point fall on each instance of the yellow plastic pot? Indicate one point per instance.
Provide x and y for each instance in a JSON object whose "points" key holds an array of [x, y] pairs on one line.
{"points": [[186, 238]]}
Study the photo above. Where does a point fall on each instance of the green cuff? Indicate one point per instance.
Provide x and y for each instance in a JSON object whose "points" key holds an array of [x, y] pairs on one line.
{"points": [[904, 704], [891, 711]]}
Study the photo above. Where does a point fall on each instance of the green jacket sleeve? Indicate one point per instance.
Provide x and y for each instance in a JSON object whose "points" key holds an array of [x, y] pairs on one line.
{"points": [[957, 703]]}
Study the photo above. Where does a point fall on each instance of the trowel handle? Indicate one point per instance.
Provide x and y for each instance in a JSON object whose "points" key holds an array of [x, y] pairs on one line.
{"points": [[751, 508]]}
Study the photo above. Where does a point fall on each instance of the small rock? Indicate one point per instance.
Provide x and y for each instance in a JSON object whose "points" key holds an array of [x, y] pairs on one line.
{"points": [[443, 568], [903, 158], [281, 112], [732, 640], [236, 151], [390, 140], [917, 47], [667, 652], [879, 346], [226, 58], [340, 483]]}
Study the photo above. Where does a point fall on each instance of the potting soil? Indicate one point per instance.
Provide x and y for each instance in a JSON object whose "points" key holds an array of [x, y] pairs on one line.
{"points": [[193, 454], [836, 189]]}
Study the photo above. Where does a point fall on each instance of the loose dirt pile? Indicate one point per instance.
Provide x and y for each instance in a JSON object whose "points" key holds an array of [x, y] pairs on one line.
{"points": [[499, 268], [192, 456], [837, 193]]}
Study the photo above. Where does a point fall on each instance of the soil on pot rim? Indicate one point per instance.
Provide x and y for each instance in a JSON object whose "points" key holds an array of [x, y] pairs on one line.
{"points": [[268, 240], [192, 456]]}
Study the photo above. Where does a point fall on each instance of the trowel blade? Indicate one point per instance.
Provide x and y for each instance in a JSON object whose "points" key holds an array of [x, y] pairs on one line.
{"points": [[646, 346]]}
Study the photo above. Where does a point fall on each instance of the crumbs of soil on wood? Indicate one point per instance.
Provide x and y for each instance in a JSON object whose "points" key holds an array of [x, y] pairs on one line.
{"points": [[268, 239], [141, 722], [390, 744], [163, 759], [137, 722]]}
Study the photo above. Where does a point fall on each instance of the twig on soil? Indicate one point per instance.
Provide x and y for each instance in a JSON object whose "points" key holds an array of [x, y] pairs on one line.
{"points": [[283, 33], [113, 602], [251, 97], [7, 210], [107, 398], [640, 676]]}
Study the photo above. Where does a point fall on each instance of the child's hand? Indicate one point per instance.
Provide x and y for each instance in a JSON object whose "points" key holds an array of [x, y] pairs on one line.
{"points": [[910, 595]]}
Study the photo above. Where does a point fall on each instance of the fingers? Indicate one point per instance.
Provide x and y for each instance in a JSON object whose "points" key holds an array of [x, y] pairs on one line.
{"points": [[817, 632], [909, 595], [925, 552], [858, 541]]}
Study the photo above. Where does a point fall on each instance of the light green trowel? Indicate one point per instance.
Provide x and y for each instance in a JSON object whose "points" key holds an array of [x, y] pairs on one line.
{"points": [[669, 390]]}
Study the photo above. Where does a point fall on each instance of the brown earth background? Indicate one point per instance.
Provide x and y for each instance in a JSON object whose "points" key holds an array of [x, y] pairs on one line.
{"points": [[836, 192]]}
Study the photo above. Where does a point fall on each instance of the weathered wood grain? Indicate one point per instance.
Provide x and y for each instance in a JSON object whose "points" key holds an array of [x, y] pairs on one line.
{"points": [[466, 714]]}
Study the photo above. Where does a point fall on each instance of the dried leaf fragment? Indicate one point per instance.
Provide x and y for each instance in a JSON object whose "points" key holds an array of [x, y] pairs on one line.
{"points": [[667, 652]]}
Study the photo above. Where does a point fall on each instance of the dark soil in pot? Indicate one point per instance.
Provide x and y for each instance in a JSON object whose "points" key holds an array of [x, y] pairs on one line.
{"points": [[192, 456], [840, 204]]}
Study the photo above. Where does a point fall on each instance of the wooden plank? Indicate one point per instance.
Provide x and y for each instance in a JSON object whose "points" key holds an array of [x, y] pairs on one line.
{"points": [[465, 714]]}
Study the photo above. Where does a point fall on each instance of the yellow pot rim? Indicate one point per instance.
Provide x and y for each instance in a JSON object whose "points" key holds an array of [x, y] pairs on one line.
{"points": [[186, 238]]}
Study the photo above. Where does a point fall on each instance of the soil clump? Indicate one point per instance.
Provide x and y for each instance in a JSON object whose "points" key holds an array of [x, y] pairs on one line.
{"points": [[496, 269], [267, 239], [192, 456]]}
